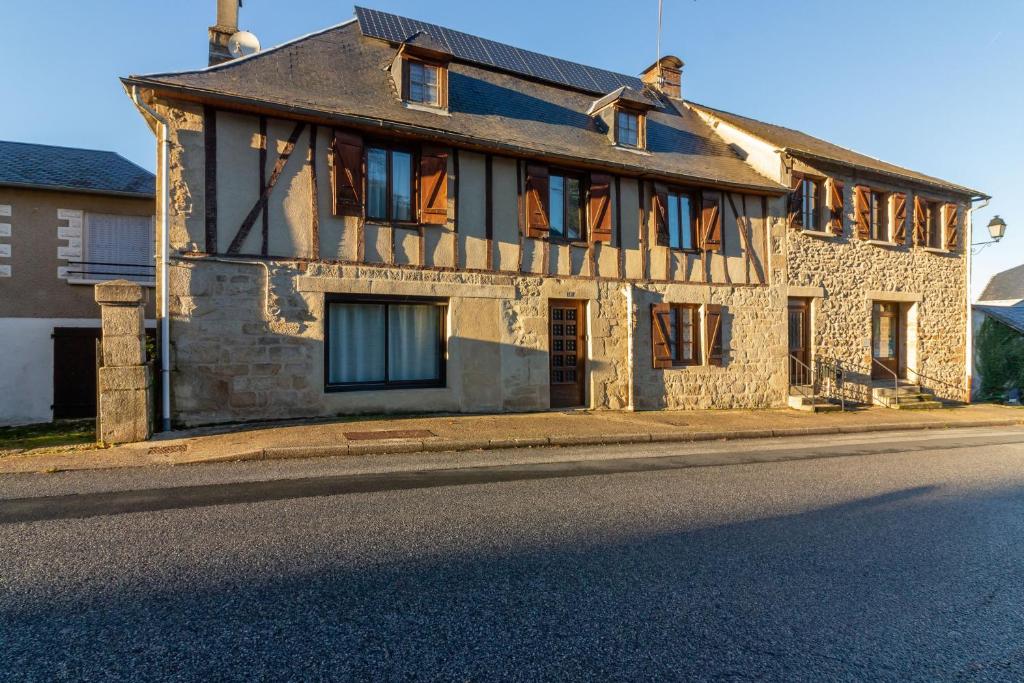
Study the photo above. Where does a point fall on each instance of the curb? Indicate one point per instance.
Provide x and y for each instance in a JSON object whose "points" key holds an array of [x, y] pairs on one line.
{"points": [[459, 445]]}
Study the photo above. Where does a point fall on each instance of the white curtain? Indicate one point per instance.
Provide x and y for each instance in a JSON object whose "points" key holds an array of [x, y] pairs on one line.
{"points": [[357, 343], [413, 349]]}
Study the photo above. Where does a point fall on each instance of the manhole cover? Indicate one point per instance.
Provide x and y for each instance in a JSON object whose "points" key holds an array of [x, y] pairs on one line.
{"points": [[389, 434]]}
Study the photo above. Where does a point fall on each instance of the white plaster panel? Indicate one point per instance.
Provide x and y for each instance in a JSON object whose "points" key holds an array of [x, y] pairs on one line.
{"points": [[65, 232], [5, 251], [5, 209], [5, 229], [69, 252], [68, 214], [5, 271]]}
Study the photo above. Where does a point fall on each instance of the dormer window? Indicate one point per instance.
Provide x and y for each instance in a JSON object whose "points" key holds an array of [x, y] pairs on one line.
{"points": [[627, 128], [423, 82]]}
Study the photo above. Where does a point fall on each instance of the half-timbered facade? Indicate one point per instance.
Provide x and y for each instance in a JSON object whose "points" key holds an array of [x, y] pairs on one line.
{"points": [[392, 216]]}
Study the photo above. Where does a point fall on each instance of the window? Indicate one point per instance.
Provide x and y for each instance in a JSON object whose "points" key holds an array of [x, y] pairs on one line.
{"points": [[116, 247], [683, 334], [681, 221], [385, 344], [933, 224], [627, 128], [879, 216], [389, 184], [565, 202], [423, 83], [809, 204]]}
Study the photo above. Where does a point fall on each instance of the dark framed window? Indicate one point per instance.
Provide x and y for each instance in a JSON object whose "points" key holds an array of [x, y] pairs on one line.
{"points": [[565, 204], [627, 128], [684, 334], [392, 343], [810, 204], [424, 82], [879, 216], [390, 183], [933, 224], [682, 220]]}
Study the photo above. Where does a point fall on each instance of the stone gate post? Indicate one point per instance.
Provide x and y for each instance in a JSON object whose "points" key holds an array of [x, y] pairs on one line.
{"points": [[125, 382]]}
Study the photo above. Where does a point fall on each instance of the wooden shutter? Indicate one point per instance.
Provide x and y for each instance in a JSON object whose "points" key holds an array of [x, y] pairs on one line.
{"points": [[899, 212], [661, 216], [710, 222], [952, 227], [835, 206], [661, 325], [434, 186], [796, 204], [348, 174], [862, 206], [600, 209], [537, 200], [713, 333], [920, 222]]}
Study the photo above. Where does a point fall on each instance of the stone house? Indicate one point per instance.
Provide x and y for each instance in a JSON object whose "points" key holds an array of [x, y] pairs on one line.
{"points": [[69, 218], [389, 215]]}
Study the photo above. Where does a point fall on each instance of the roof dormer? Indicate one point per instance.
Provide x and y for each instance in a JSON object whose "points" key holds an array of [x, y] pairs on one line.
{"points": [[624, 114], [420, 72]]}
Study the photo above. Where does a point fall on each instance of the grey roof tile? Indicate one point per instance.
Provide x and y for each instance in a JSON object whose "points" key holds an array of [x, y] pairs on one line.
{"points": [[1005, 286], [1011, 316], [70, 168]]}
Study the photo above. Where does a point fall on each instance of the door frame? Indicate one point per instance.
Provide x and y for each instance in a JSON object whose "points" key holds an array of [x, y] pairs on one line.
{"points": [[805, 305], [562, 397], [895, 363]]}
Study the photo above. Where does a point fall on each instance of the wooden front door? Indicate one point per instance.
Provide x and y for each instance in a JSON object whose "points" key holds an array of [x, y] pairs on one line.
{"points": [[567, 350], [799, 341], [886, 340]]}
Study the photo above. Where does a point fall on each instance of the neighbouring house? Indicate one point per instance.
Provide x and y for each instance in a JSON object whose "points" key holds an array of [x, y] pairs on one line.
{"points": [[999, 329], [69, 218], [389, 215]]}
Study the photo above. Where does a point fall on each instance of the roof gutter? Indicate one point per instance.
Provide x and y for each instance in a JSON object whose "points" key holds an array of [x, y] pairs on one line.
{"points": [[368, 123], [165, 320]]}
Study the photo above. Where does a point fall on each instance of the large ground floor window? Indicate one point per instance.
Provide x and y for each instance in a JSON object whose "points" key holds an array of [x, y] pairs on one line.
{"points": [[384, 343]]}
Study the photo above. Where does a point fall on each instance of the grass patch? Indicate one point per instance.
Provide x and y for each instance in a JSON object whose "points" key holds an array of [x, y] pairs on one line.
{"points": [[48, 435]]}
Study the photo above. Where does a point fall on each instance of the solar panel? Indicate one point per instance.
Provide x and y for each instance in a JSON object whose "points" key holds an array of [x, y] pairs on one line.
{"points": [[471, 48]]}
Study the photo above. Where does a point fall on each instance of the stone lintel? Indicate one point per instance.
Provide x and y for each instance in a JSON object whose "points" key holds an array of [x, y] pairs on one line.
{"points": [[901, 297], [382, 287], [806, 292], [121, 293]]}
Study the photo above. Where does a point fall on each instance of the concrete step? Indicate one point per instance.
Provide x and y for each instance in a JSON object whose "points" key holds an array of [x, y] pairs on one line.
{"points": [[817, 404]]}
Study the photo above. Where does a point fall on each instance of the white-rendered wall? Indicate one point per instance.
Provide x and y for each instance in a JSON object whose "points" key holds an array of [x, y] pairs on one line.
{"points": [[26, 366]]}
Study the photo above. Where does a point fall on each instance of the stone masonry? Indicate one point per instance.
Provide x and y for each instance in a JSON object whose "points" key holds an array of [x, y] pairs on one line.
{"points": [[125, 381]]}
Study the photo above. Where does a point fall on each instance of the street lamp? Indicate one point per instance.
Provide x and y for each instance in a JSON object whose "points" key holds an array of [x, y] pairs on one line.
{"points": [[996, 230]]}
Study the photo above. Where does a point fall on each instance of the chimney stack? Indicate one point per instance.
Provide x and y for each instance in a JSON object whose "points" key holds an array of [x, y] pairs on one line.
{"points": [[665, 76], [221, 32]]}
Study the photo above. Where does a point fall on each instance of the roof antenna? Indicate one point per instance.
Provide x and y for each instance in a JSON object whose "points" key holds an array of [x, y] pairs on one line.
{"points": [[661, 79]]}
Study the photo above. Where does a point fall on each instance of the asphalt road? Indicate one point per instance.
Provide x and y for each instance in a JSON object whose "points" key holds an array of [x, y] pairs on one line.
{"points": [[891, 557]]}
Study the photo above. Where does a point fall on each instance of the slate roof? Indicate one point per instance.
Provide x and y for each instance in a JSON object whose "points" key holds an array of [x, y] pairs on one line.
{"points": [[802, 144], [340, 74], [70, 168], [1011, 316], [1004, 286]]}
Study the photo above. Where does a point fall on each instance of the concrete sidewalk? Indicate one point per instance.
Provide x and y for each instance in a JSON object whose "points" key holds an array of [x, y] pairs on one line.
{"points": [[391, 434]]}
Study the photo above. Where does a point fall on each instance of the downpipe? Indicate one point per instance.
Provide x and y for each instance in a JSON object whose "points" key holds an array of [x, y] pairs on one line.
{"points": [[165, 321], [969, 351]]}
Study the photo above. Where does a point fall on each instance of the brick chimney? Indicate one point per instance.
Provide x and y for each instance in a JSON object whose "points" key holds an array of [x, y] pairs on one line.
{"points": [[665, 76], [221, 32]]}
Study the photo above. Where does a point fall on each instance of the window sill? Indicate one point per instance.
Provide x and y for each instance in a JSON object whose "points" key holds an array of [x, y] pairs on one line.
{"points": [[817, 233], [883, 243], [631, 150], [394, 386], [936, 250], [569, 243], [429, 108]]}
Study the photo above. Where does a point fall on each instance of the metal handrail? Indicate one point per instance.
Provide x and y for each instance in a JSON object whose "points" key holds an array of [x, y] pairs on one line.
{"points": [[933, 380], [895, 379], [832, 369], [812, 384]]}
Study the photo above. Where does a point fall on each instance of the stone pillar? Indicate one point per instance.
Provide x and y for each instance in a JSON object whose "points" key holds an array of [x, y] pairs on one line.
{"points": [[125, 381]]}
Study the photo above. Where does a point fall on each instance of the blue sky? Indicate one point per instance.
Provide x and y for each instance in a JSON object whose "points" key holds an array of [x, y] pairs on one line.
{"points": [[935, 86]]}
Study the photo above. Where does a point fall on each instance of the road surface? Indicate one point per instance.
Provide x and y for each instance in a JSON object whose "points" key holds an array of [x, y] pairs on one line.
{"points": [[895, 556]]}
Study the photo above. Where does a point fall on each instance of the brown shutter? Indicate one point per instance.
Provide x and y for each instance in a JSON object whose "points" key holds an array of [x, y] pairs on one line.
{"points": [[348, 174], [952, 227], [899, 212], [796, 204], [600, 210], [920, 222], [537, 200], [836, 208], [862, 206], [661, 324], [710, 222], [434, 186], [713, 333], [661, 216]]}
